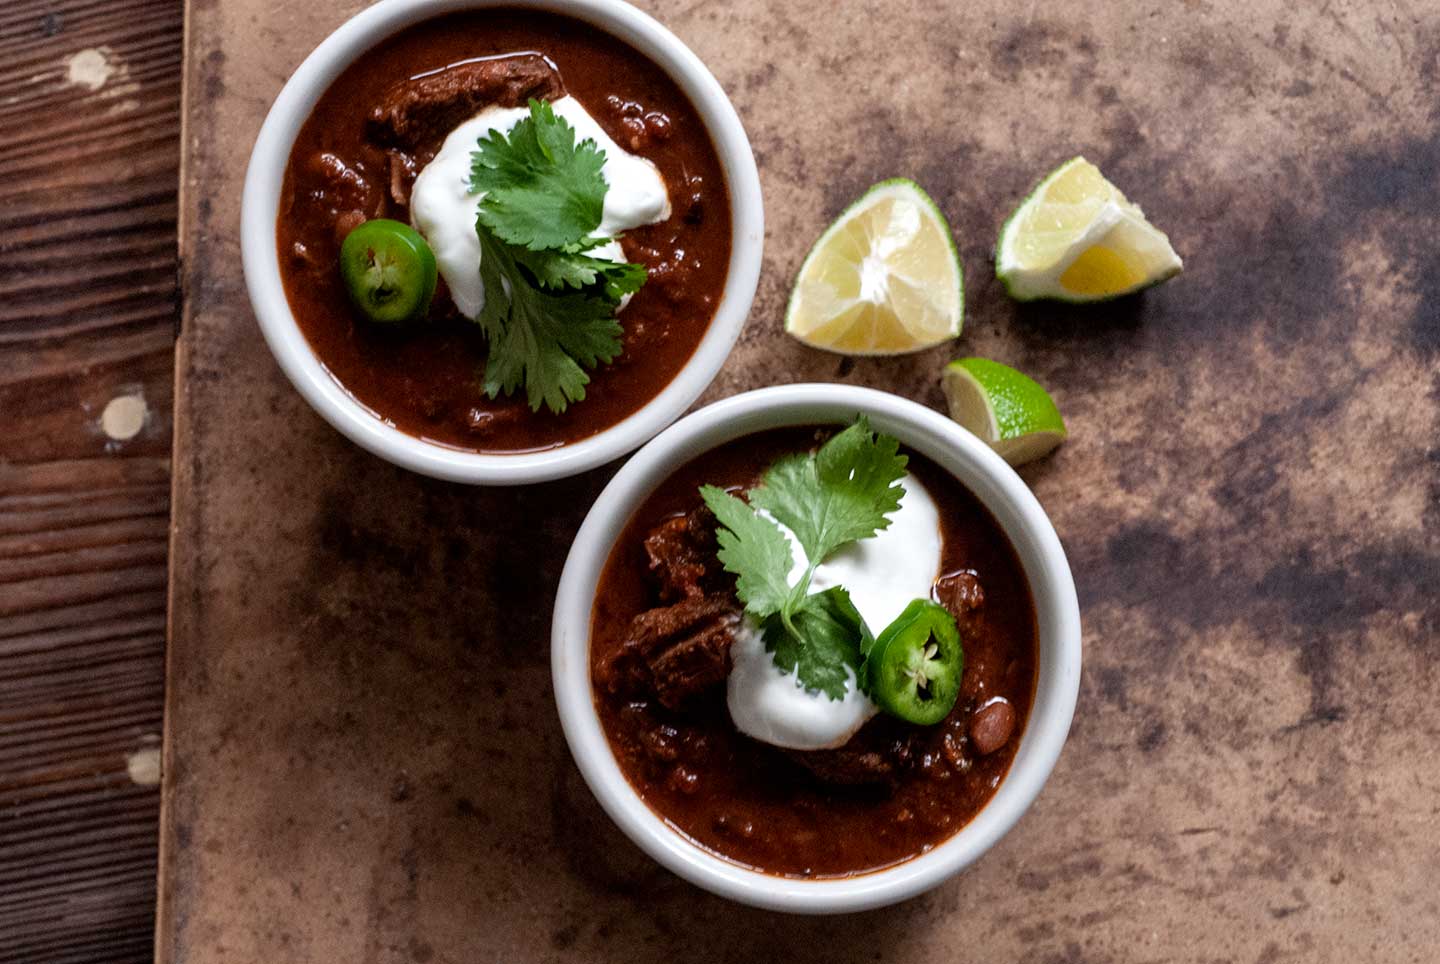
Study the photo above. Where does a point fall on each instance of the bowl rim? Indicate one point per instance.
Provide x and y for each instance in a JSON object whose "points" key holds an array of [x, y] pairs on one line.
{"points": [[1002, 492], [260, 259]]}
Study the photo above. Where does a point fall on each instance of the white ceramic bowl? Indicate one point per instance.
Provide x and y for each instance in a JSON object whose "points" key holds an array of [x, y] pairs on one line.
{"points": [[260, 205], [949, 446]]}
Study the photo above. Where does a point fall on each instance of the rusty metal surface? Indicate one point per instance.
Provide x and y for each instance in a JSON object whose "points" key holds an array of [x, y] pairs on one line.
{"points": [[363, 758]]}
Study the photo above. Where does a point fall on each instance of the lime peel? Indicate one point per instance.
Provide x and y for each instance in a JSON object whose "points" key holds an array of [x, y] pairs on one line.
{"points": [[1004, 408]]}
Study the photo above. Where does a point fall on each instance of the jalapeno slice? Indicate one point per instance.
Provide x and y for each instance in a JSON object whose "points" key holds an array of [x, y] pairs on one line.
{"points": [[389, 271], [914, 666]]}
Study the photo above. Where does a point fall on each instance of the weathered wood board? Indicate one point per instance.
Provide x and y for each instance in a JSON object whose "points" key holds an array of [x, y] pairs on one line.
{"points": [[89, 156], [363, 760]]}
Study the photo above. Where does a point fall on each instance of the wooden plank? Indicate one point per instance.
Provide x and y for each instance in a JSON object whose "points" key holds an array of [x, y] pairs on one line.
{"points": [[1249, 498], [89, 148]]}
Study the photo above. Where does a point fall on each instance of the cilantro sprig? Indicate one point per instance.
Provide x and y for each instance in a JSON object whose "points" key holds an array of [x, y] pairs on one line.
{"points": [[550, 303], [844, 492], [826, 636]]}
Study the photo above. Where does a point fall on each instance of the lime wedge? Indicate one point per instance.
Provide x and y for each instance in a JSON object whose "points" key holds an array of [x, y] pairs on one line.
{"points": [[1077, 238], [1004, 408], [884, 279]]}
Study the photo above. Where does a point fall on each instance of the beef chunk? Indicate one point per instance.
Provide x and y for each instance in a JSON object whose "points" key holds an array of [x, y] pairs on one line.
{"points": [[879, 753], [402, 176], [676, 652], [961, 594], [417, 114], [682, 556], [348, 186], [347, 192], [692, 665]]}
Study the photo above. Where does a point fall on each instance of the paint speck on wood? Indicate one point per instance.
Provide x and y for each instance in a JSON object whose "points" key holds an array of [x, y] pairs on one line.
{"points": [[90, 68], [144, 767], [124, 416]]}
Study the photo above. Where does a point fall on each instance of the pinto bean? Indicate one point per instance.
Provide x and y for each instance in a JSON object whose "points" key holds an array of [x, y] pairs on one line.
{"points": [[991, 726], [623, 107], [658, 125], [635, 133]]}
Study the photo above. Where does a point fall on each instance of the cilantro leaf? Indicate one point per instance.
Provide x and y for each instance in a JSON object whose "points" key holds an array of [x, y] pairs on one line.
{"points": [[754, 549], [538, 339], [825, 645], [542, 190], [842, 493], [549, 311], [561, 269], [496, 265]]}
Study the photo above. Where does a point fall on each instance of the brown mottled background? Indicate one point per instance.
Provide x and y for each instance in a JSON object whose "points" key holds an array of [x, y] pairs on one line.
{"points": [[363, 758]]}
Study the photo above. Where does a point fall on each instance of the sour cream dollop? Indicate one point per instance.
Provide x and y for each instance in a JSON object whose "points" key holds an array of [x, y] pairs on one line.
{"points": [[443, 210], [882, 574]]}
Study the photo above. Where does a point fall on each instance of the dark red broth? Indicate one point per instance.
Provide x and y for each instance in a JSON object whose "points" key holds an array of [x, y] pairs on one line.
{"points": [[750, 803], [424, 379]]}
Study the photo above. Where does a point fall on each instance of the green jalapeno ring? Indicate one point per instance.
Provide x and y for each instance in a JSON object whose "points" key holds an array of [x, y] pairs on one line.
{"points": [[389, 271], [913, 669]]}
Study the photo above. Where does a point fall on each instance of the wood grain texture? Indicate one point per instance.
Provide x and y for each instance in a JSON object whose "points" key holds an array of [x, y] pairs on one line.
{"points": [[359, 714], [89, 150]]}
